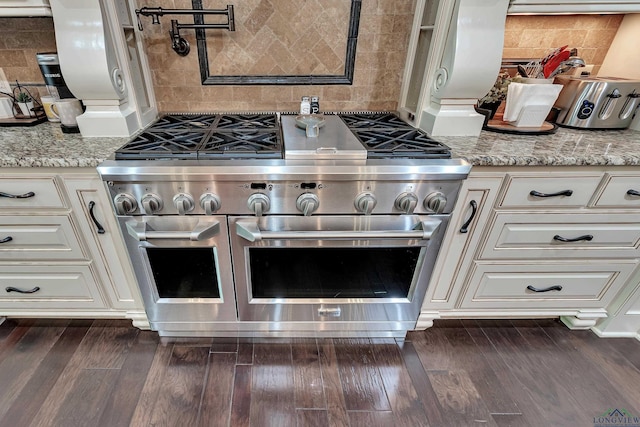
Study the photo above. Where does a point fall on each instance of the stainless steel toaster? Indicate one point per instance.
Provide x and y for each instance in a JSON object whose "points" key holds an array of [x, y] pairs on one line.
{"points": [[597, 102]]}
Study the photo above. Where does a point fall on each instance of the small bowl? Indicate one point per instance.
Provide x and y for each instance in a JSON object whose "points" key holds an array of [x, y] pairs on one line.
{"points": [[311, 123]]}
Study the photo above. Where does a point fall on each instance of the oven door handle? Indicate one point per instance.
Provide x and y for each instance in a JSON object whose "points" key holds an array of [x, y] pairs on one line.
{"points": [[202, 231], [249, 230]]}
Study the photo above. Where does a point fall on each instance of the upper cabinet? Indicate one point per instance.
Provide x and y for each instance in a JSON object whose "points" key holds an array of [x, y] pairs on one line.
{"points": [[572, 6], [25, 8]]}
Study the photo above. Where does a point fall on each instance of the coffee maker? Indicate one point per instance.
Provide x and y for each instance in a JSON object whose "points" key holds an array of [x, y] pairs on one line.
{"points": [[50, 68]]}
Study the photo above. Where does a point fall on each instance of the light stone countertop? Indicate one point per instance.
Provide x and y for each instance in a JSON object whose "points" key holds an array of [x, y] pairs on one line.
{"points": [[45, 145]]}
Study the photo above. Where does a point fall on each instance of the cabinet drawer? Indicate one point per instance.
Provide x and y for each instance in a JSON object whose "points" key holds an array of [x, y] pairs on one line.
{"points": [[38, 238], [518, 193], [35, 193], [52, 286], [529, 236], [578, 285], [620, 191]]}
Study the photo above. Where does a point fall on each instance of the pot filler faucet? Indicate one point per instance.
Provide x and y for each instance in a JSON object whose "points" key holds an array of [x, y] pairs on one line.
{"points": [[178, 43]]}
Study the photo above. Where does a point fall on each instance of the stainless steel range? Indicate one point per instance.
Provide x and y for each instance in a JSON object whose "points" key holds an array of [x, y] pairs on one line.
{"points": [[239, 224]]}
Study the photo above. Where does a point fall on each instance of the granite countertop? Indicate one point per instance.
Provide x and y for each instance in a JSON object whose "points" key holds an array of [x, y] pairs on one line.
{"points": [[45, 145]]}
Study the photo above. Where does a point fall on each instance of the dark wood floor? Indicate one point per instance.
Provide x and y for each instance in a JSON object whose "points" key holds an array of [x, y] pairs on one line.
{"points": [[459, 373]]}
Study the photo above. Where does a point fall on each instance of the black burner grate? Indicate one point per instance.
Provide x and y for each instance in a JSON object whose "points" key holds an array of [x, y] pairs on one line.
{"points": [[186, 121], [247, 121], [373, 120], [207, 136], [385, 135], [162, 144], [242, 144]]}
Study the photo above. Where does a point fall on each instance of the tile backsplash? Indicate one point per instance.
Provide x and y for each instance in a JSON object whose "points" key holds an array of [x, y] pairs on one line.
{"points": [[314, 43], [20, 40], [380, 58], [532, 36]]}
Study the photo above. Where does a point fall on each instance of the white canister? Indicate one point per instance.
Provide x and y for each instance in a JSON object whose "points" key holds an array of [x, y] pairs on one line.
{"points": [[67, 110]]}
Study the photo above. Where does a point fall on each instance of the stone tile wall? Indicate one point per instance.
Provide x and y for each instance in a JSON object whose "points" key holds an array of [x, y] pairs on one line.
{"points": [[531, 36], [381, 53], [20, 40], [284, 37]]}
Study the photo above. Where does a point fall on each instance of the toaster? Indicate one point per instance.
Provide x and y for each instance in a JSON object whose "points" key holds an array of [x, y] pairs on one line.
{"points": [[597, 102]]}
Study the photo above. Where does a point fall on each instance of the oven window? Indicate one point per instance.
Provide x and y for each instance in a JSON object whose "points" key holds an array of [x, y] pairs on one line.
{"points": [[332, 272], [184, 272]]}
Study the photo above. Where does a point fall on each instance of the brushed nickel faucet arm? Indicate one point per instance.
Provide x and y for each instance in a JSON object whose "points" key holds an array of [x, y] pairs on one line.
{"points": [[178, 43]]}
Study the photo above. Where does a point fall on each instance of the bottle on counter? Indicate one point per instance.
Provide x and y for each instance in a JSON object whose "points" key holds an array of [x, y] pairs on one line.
{"points": [[315, 105], [305, 105]]}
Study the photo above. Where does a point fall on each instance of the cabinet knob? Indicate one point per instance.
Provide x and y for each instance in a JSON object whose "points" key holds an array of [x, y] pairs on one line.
{"points": [[18, 196], [535, 193]]}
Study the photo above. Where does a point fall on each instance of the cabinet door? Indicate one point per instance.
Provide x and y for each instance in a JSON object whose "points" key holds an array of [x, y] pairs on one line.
{"points": [[472, 211], [572, 6], [620, 191], [25, 8], [96, 220], [531, 286], [61, 287], [527, 236], [33, 194], [557, 191], [36, 238]]}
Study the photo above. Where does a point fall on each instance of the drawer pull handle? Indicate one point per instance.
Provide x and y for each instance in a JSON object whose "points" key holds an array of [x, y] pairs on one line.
{"points": [[633, 193], [92, 205], [550, 288], [535, 193], [22, 291], [474, 209], [18, 196], [6, 239], [586, 237]]}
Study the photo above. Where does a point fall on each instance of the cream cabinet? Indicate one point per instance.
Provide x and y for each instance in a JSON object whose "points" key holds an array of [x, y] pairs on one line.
{"points": [[552, 242], [546, 7], [11, 8], [61, 254]]}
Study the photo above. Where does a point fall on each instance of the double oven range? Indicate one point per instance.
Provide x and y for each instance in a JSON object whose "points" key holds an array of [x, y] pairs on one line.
{"points": [[238, 224]]}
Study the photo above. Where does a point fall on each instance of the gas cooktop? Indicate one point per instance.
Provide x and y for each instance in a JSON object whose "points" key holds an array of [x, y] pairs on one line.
{"points": [[259, 136]]}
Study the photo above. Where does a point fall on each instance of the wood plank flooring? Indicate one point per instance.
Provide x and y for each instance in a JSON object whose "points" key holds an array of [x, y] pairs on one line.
{"points": [[458, 373]]}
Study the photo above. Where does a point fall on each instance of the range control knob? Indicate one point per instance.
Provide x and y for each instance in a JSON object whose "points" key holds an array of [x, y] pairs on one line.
{"points": [[184, 203], [259, 203], [365, 202], [307, 203], [210, 203], [435, 202], [151, 203], [125, 203], [406, 202]]}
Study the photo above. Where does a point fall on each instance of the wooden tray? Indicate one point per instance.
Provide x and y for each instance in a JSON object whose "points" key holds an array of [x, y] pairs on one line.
{"points": [[23, 121], [497, 125]]}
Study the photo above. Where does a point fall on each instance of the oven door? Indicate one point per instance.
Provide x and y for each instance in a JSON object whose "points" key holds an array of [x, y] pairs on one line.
{"points": [[183, 267], [334, 268]]}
